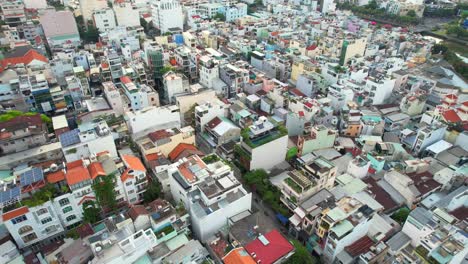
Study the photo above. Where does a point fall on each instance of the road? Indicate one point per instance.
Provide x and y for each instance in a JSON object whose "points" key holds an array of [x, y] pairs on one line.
{"points": [[257, 203]]}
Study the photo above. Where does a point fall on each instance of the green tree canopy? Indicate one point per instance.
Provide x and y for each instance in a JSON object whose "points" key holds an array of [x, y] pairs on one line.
{"points": [[153, 192], [103, 187], [91, 212], [301, 255]]}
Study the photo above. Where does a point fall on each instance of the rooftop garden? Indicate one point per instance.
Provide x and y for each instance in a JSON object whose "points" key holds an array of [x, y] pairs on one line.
{"points": [[9, 115], [43, 195], [211, 159], [164, 231], [280, 131], [296, 187]]}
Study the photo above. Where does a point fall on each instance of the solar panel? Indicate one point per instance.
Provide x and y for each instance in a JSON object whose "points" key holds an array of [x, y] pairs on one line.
{"points": [[31, 176], [70, 138], [10, 194]]}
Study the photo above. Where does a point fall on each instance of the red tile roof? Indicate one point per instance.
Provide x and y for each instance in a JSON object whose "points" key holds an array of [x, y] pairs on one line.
{"points": [[15, 213], [360, 246], [125, 176], [86, 198], [96, 169], [77, 175], [74, 164], [312, 47], [424, 182], [55, 177], [21, 122], [277, 248], [308, 104], [151, 157], [451, 116], [460, 213], [179, 149], [238, 256], [380, 195], [160, 134], [133, 163], [214, 122], [125, 79], [26, 59], [136, 211]]}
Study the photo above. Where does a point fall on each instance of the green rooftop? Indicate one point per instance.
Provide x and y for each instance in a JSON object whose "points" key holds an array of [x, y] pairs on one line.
{"points": [[336, 214], [342, 228]]}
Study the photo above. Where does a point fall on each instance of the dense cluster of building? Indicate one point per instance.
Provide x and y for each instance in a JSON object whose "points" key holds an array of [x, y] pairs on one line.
{"points": [[135, 148]]}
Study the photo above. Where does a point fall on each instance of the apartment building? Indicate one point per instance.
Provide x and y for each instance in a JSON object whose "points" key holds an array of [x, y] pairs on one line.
{"points": [[164, 141], [320, 137], [174, 84], [263, 145], [137, 96], [167, 15], [104, 19], [142, 122], [210, 192], [87, 140], [22, 133]]}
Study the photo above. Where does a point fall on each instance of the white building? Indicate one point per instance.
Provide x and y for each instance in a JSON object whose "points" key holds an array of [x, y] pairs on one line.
{"points": [[113, 97], [134, 179], [29, 226], [87, 7], [205, 112], [87, 140], [418, 225], [264, 154], [150, 119], [167, 15], [235, 12], [210, 192], [104, 19], [126, 15], [209, 71], [174, 84], [35, 4], [138, 96], [380, 89]]}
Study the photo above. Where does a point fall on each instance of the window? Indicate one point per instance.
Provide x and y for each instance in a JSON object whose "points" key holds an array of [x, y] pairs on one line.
{"points": [[67, 209], [24, 229], [64, 202], [19, 219], [29, 238], [41, 211], [71, 218], [128, 183], [131, 191], [46, 220]]}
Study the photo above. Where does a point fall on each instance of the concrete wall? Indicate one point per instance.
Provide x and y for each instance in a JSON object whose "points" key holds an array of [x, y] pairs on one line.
{"points": [[270, 154]]}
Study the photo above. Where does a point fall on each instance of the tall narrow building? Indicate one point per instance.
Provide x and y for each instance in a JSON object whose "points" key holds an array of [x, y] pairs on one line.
{"points": [[167, 15]]}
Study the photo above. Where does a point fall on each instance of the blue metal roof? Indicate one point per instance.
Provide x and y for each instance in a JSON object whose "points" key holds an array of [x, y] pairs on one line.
{"points": [[31, 176], [70, 138]]}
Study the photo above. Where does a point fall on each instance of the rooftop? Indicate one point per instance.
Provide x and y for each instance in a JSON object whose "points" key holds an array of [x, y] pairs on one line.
{"points": [[270, 247]]}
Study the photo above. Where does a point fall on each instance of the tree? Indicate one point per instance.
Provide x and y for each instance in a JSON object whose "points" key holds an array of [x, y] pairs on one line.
{"points": [[372, 5], [401, 215], [153, 192], [144, 24], [105, 194], [91, 212], [166, 69], [411, 13], [255, 176], [220, 17], [301, 255]]}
